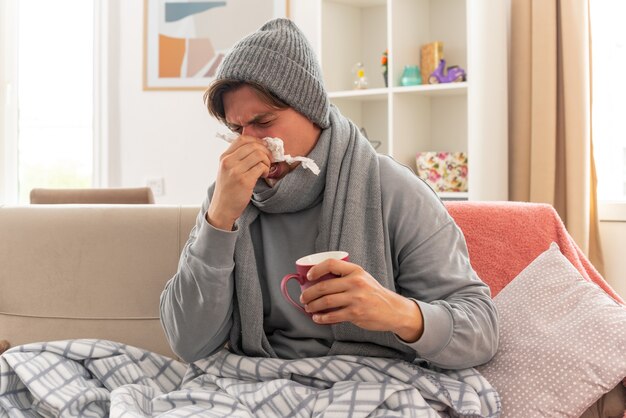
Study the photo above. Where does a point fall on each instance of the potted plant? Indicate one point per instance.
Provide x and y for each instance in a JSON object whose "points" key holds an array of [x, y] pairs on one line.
{"points": [[383, 62]]}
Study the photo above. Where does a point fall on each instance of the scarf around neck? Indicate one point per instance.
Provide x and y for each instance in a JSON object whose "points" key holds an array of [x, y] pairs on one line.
{"points": [[351, 220]]}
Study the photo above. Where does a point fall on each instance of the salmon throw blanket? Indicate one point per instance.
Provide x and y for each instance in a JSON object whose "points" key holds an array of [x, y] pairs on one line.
{"points": [[505, 237]]}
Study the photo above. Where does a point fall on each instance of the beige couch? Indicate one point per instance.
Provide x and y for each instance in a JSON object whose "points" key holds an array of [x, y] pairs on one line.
{"points": [[97, 271], [90, 271]]}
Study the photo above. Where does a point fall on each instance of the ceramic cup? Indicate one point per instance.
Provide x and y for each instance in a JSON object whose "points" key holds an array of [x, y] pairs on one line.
{"points": [[303, 265]]}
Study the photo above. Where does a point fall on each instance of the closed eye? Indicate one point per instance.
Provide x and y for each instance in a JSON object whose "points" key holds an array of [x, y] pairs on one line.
{"points": [[234, 128], [259, 122]]}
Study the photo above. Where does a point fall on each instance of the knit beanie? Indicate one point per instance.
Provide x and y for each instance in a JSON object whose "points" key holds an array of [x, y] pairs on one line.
{"points": [[279, 57]]}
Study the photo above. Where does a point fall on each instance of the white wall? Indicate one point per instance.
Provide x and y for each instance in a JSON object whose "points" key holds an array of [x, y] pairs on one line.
{"points": [[154, 134]]}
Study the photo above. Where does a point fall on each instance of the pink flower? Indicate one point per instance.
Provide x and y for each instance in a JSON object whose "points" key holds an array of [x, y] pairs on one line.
{"points": [[434, 176]]}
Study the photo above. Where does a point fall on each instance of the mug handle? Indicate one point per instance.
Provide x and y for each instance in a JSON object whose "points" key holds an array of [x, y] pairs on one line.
{"points": [[283, 289]]}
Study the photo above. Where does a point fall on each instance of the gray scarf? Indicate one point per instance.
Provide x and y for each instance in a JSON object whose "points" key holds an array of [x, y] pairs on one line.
{"points": [[351, 220]]}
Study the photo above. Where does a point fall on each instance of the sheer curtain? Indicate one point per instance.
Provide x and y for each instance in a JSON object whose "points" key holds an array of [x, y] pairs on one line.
{"points": [[550, 148]]}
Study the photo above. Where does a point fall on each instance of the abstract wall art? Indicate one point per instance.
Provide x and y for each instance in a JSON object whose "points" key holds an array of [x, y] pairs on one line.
{"points": [[185, 40]]}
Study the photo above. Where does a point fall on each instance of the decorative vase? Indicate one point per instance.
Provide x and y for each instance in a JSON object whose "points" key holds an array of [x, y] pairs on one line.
{"points": [[385, 78], [360, 82], [411, 76]]}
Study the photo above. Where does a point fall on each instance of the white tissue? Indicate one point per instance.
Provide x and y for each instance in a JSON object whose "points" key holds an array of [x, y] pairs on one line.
{"points": [[276, 147], [227, 136]]}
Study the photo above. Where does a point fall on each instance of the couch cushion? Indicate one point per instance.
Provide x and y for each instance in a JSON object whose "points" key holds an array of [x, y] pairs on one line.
{"points": [[562, 341], [88, 271]]}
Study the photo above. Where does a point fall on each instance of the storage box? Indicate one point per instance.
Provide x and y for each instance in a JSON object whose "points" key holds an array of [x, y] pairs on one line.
{"points": [[443, 171]]}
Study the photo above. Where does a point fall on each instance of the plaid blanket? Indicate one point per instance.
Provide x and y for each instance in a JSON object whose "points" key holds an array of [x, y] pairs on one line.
{"points": [[99, 378]]}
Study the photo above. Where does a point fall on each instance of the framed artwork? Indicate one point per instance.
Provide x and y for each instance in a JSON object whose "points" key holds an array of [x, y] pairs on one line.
{"points": [[185, 40]]}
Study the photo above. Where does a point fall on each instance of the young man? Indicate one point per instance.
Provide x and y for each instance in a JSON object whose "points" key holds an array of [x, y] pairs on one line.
{"points": [[408, 292]]}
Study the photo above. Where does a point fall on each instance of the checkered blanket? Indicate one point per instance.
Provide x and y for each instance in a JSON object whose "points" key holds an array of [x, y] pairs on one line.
{"points": [[97, 378]]}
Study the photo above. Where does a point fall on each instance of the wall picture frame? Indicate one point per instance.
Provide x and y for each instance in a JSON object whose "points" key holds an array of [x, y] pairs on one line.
{"points": [[185, 40]]}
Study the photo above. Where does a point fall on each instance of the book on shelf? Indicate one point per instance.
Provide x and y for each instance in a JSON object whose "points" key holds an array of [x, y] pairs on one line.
{"points": [[431, 54]]}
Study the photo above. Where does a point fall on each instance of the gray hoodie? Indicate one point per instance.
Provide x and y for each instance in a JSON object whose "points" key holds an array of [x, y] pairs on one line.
{"points": [[430, 266]]}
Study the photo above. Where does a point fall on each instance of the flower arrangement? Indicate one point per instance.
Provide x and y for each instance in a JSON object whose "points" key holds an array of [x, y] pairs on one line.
{"points": [[383, 63]]}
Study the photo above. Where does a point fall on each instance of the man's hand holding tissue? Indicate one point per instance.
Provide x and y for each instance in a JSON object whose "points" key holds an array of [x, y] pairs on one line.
{"points": [[245, 161], [357, 297]]}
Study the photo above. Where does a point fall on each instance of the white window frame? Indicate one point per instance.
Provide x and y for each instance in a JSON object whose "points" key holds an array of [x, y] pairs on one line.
{"points": [[8, 99], [609, 211]]}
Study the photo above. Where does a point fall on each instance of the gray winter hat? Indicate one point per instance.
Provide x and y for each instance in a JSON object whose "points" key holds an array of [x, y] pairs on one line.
{"points": [[279, 57]]}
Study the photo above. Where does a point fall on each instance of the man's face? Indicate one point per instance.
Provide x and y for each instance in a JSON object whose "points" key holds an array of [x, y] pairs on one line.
{"points": [[247, 114]]}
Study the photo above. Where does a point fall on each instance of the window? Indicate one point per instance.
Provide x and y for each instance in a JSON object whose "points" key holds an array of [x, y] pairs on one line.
{"points": [[51, 73], [608, 37]]}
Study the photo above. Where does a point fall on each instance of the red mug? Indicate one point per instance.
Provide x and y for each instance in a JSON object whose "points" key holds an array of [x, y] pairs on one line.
{"points": [[303, 265]]}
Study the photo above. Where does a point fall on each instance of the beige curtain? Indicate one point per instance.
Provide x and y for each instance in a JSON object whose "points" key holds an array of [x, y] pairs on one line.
{"points": [[550, 149]]}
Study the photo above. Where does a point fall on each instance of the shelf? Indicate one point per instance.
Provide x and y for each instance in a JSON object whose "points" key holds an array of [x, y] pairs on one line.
{"points": [[360, 95], [447, 89], [612, 211], [353, 32], [453, 195], [361, 3], [406, 119]]}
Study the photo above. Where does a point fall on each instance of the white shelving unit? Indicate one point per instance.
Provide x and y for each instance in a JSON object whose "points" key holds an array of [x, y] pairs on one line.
{"points": [[470, 116]]}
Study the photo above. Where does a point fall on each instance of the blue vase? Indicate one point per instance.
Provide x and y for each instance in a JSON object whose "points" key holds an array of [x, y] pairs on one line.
{"points": [[411, 76]]}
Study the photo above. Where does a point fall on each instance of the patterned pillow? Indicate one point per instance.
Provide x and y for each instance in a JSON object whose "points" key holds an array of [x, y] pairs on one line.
{"points": [[562, 341]]}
